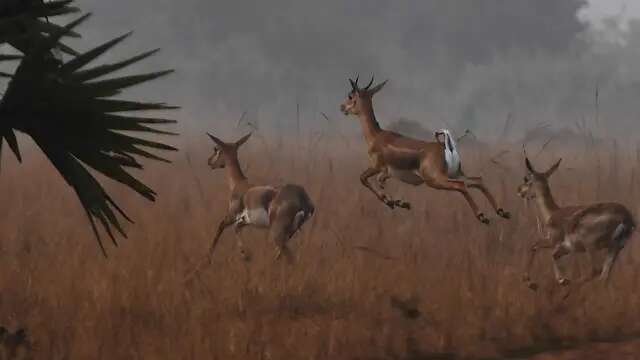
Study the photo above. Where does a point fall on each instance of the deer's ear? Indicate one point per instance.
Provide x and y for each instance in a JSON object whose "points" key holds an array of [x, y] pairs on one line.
{"points": [[377, 88], [243, 140], [217, 141], [527, 163], [553, 168]]}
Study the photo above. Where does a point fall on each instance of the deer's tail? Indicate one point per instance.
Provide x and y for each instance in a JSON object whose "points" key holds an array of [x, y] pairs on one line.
{"points": [[301, 217], [623, 232]]}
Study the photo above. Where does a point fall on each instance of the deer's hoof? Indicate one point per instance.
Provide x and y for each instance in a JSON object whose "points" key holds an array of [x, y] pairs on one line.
{"points": [[245, 255], [483, 219], [404, 205], [504, 214], [390, 203], [530, 284], [563, 281]]}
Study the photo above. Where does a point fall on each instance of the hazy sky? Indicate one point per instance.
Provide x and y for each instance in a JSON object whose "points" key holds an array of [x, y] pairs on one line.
{"points": [[457, 63], [599, 9]]}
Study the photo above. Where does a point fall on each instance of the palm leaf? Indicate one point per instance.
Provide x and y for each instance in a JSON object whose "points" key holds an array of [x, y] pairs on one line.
{"points": [[75, 123]]}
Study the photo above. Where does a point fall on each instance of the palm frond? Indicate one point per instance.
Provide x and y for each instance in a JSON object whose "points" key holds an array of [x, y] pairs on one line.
{"points": [[74, 120]]}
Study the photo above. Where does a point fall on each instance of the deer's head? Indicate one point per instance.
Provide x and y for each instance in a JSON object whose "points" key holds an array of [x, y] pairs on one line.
{"points": [[535, 183], [359, 98], [224, 153]]}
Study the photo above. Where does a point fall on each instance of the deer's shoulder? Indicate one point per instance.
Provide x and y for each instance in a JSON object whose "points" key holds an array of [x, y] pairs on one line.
{"points": [[560, 217]]}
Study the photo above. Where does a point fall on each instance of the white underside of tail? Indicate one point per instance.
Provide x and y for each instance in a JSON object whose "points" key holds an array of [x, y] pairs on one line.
{"points": [[451, 155], [299, 219], [621, 234]]}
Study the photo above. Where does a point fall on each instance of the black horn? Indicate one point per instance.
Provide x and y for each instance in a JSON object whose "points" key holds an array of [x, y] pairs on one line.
{"points": [[370, 83], [354, 86]]}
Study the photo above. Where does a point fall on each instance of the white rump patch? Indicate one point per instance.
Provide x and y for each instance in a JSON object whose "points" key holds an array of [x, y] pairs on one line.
{"points": [[451, 156], [257, 217]]}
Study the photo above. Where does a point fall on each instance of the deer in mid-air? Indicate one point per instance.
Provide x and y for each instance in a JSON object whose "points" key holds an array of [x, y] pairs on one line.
{"points": [[572, 229], [409, 160], [280, 209]]}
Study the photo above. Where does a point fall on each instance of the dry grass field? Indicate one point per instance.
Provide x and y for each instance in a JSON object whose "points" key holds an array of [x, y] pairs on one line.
{"points": [[434, 282]]}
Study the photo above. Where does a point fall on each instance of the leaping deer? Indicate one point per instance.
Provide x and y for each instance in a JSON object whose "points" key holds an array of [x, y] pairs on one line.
{"points": [[411, 161], [573, 229], [281, 209]]}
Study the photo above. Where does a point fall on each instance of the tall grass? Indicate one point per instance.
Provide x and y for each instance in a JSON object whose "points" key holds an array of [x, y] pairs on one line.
{"points": [[436, 281]]}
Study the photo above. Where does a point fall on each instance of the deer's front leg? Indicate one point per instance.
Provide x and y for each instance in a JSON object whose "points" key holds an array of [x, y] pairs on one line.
{"points": [[386, 199], [225, 223], [382, 179], [540, 244], [364, 179]]}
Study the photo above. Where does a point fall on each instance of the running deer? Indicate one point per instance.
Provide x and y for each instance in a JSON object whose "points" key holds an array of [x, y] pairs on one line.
{"points": [[572, 229], [280, 209], [411, 161]]}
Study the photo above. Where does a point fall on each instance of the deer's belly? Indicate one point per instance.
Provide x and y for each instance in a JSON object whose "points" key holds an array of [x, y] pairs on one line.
{"points": [[257, 217], [406, 176]]}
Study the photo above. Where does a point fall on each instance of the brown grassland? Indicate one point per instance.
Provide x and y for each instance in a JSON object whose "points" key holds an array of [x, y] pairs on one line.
{"points": [[434, 282]]}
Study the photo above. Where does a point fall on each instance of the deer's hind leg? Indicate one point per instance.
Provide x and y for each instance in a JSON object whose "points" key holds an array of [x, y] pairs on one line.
{"points": [[612, 255], [281, 230], [558, 252], [237, 229], [479, 185], [441, 182]]}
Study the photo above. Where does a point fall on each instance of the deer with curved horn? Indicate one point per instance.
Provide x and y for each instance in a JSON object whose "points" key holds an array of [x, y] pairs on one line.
{"points": [[409, 160], [280, 209], [574, 229]]}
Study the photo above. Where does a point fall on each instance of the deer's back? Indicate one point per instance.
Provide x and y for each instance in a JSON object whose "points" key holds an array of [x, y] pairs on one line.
{"points": [[294, 196], [405, 153], [592, 225]]}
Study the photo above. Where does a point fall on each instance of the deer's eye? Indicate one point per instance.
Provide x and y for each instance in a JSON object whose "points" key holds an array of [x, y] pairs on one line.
{"points": [[350, 97]]}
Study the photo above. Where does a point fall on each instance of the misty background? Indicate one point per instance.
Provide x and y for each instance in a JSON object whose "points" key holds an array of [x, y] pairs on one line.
{"points": [[462, 64]]}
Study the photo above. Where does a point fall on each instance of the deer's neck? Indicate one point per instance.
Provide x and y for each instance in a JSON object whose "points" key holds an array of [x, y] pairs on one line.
{"points": [[370, 126], [235, 177], [546, 204]]}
